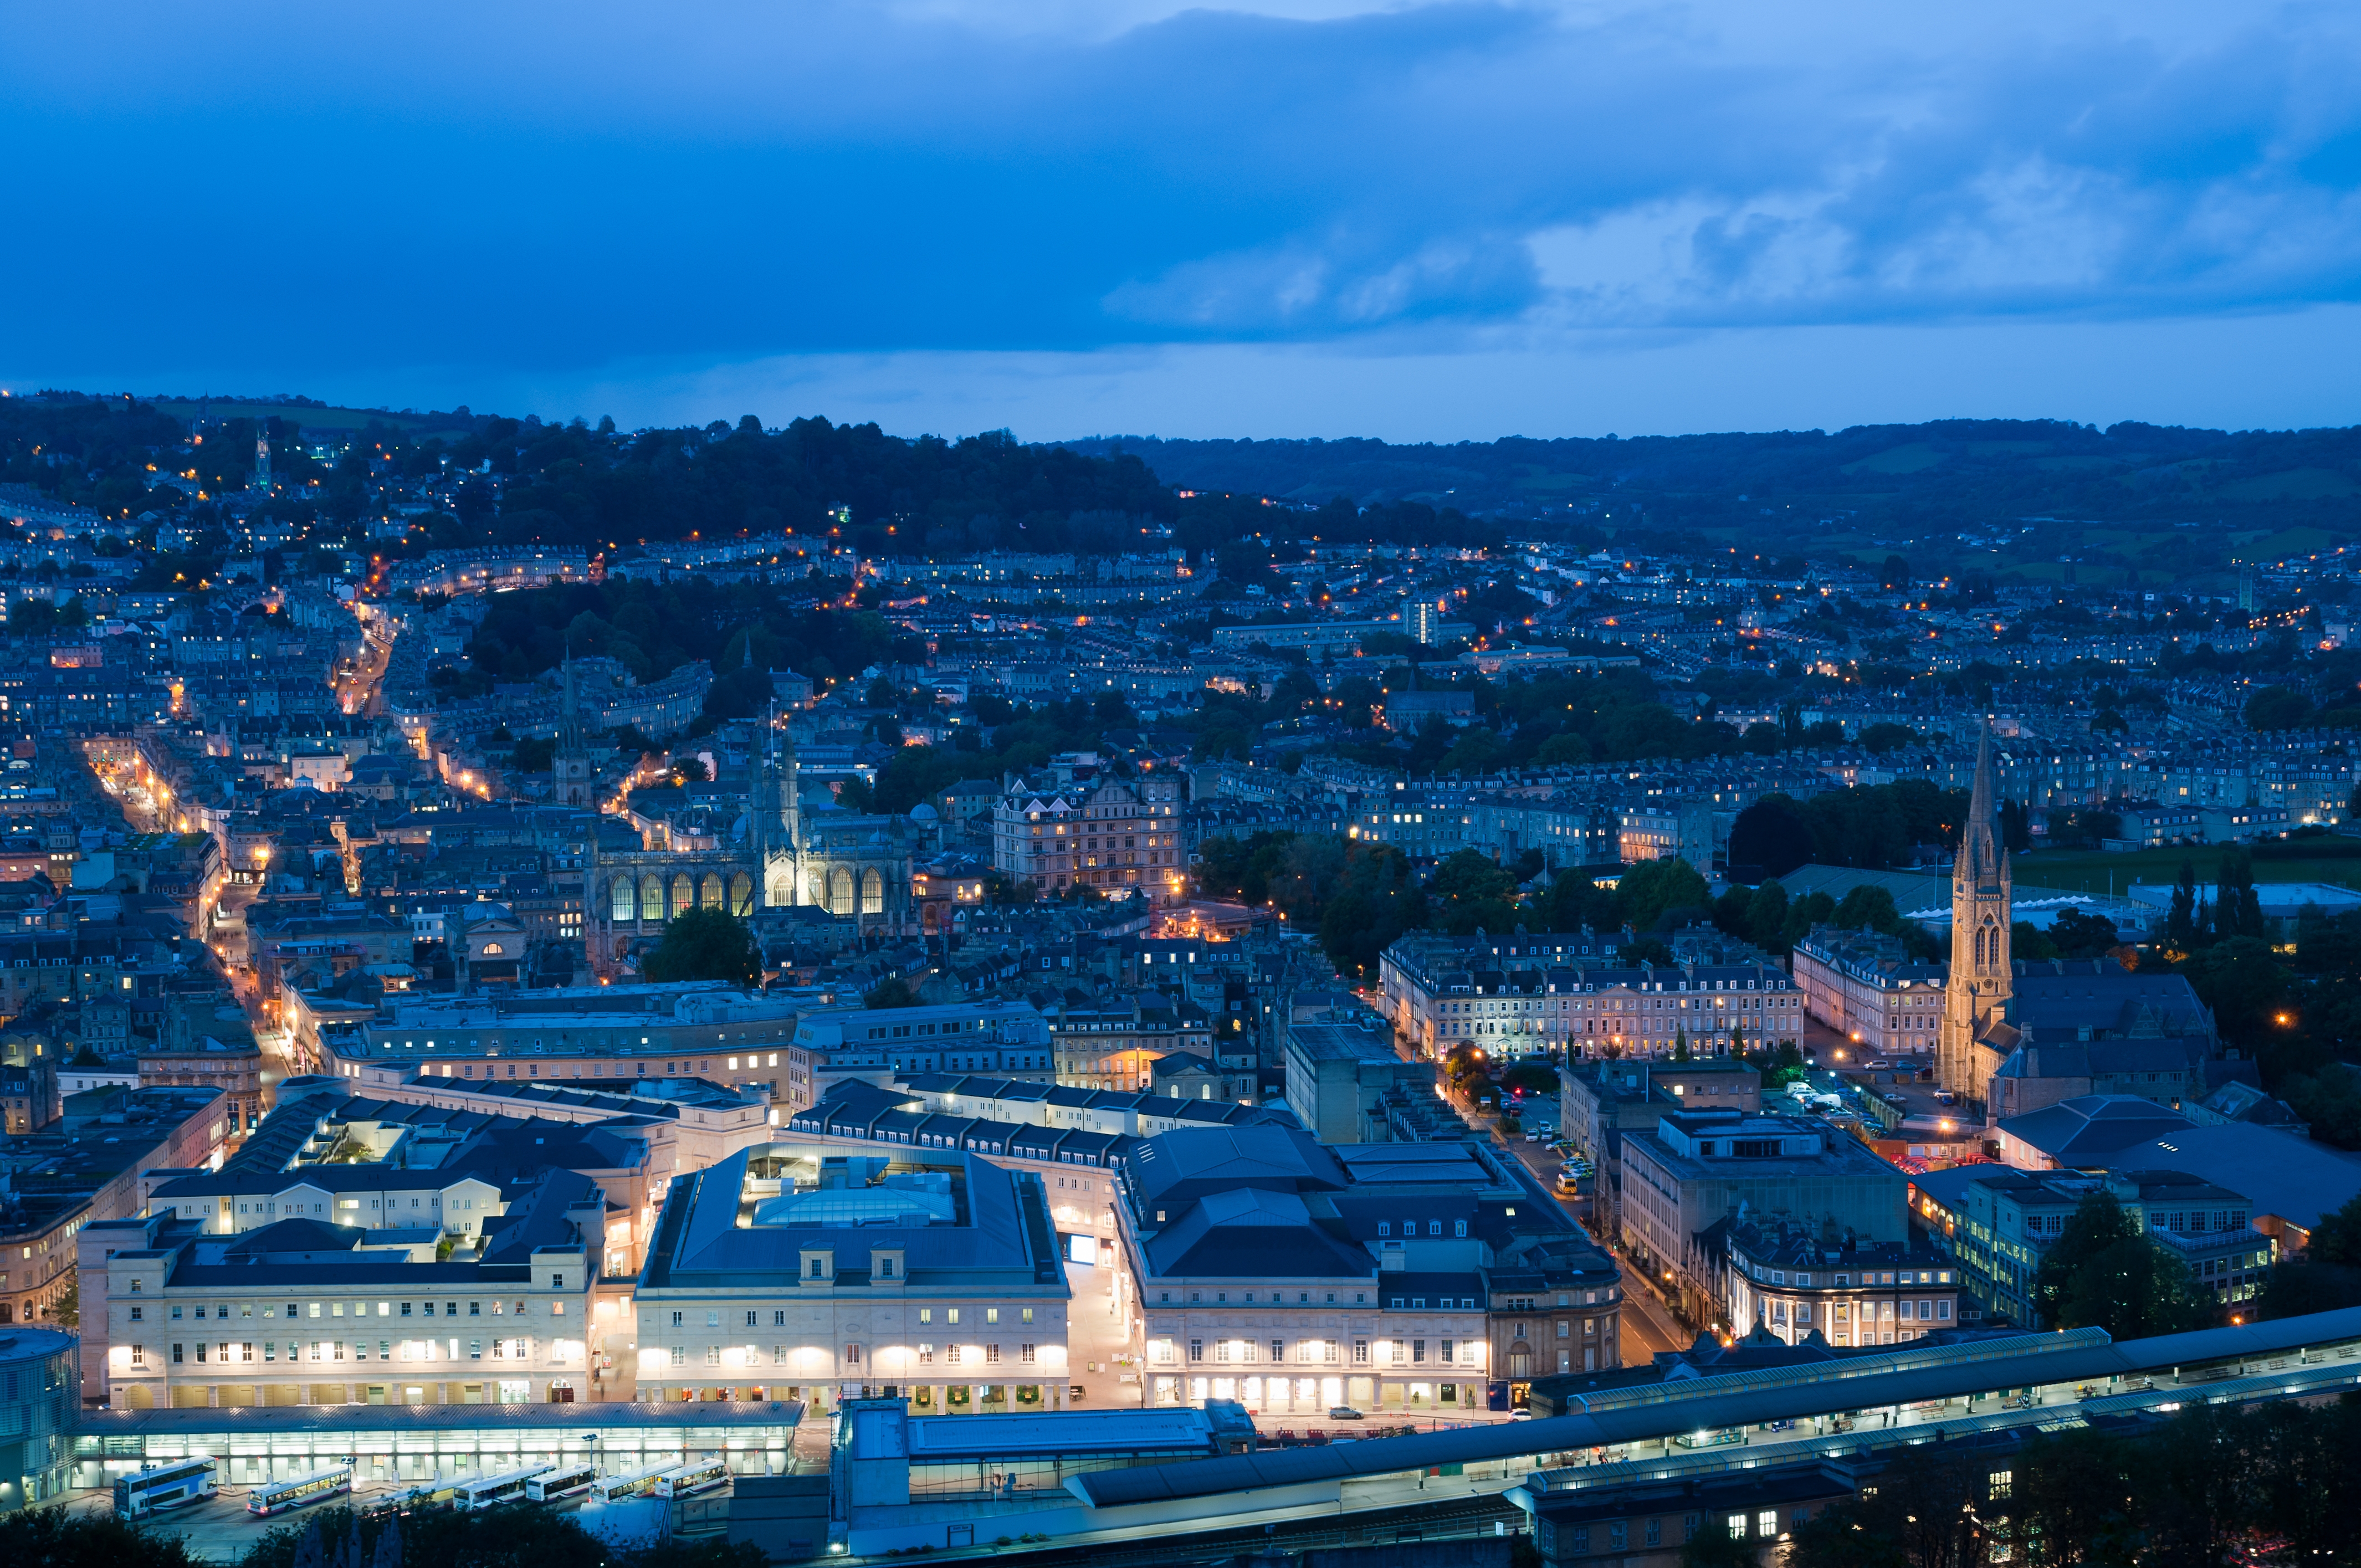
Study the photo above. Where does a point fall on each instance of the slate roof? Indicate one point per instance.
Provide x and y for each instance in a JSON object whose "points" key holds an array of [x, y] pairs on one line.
{"points": [[2090, 1129], [1253, 1233]]}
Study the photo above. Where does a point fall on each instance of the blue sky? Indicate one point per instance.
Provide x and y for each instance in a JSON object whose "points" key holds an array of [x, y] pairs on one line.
{"points": [[1309, 217]]}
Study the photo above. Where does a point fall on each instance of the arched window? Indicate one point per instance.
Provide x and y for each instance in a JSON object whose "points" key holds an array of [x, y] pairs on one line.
{"points": [[625, 903], [652, 897], [684, 894], [742, 895], [709, 893], [873, 894], [839, 893]]}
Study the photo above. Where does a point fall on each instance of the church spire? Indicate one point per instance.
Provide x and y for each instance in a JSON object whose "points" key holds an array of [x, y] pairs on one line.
{"points": [[1980, 852], [1983, 973], [571, 767], [569, 712]]}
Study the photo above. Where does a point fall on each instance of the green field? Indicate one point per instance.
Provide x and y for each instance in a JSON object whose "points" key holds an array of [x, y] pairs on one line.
{"points": [[2332, 860]]}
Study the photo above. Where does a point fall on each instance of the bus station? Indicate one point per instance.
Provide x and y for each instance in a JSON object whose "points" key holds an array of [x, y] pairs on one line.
{"points": [[392, 1444]]}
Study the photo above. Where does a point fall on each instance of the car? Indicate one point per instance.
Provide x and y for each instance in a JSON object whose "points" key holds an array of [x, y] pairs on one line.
{"points": [[1344, 1413], [1520, 1415], [1532, 1134]]}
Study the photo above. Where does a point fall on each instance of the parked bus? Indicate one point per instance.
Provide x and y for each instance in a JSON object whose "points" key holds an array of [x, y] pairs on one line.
{"points": [[563, 1482], [421, 1498], [166, 1486], [494, 1490], [630, 1483], [278, 1497], [687, 1480]]}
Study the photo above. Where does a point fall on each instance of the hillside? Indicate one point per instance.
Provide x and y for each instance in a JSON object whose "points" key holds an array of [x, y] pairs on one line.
{"points": [[1947, 476]]}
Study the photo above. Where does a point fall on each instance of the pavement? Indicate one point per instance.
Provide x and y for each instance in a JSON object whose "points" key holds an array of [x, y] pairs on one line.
{"points": [[1100, 1348]]}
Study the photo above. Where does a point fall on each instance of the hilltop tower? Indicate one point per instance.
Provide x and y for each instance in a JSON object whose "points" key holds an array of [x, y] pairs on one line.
{"points": [[1981, 978]]}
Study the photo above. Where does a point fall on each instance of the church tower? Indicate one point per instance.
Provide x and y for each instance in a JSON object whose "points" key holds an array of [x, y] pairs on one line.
{"points": [[774, 820], [573, 776], [1981, 976]]}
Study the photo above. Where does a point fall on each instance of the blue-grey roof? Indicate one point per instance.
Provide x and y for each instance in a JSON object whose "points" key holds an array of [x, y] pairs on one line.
{"points": [[698, 1236], [2293, 1178], [2089, 1129], [1189, 1161], [1255, 1233]]}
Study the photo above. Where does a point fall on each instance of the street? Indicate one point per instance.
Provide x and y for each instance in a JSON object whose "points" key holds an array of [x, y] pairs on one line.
{"points": [[1647, 1329]]}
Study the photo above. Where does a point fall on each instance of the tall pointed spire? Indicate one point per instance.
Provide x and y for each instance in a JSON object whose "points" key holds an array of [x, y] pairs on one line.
{"points": [[571, 767], [569, 713], [1979, 853], [1982, 972]]}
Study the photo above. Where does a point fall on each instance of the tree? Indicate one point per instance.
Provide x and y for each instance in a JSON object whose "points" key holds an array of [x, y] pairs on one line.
{"points": [[2070, 1501], [1468, 890], [2076, 935], [2245, 984], [890, 991], [1880, 738], [2237, 907], [1714, 1547], [2030, 943], [2278, 707], [52, 1537], [2101, 1271], [1867, 906], [1922, 1513], [2181, 924], [1771, 835], [2016, 827], [1766, 917], [706, 944], [2337, 1238], [1534, 1078], [1477, 751], [1378, 900], [1653, 888], [2297, 1288]]}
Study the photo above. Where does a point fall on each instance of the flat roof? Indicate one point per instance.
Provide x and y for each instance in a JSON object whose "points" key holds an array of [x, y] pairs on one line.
{"points": [[1901, 1376], [1063, 1431]]}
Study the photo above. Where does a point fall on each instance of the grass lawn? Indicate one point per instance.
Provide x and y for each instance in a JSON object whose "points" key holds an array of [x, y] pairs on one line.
{"points": [[2330, 860]]}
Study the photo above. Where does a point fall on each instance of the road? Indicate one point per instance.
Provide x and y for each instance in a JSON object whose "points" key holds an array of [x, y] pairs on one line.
{"points": [[356, 685], [1647, 1329]]}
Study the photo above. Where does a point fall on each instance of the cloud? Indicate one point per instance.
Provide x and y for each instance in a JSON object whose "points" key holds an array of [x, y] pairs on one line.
{"points": [[279, 192]]}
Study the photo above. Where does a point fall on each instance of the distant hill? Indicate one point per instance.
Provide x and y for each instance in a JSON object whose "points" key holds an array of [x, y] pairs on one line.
{"points": [[1903, 479]]}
